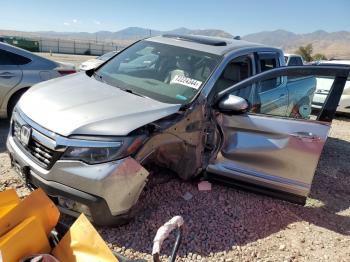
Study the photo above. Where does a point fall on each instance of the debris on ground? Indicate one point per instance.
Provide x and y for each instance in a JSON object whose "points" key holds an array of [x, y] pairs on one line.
{"points": [[204, 186], [187, 196]]}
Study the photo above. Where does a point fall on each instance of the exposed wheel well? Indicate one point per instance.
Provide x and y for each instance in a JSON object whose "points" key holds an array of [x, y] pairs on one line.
{"points": [[14, 99]]}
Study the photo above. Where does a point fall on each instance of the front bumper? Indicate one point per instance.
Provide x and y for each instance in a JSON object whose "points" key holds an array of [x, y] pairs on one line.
{"points": [[109, 190]]}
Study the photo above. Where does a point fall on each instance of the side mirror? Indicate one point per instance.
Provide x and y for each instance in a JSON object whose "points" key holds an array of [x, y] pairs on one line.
{"points": [[234, 104]]}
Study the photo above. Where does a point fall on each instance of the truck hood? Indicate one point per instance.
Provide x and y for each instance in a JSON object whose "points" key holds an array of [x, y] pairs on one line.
{"points": [[81, 105]]}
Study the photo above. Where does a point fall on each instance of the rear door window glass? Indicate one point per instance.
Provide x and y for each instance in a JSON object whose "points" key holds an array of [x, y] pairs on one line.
{"points": [[9, 58], [267, 62]]}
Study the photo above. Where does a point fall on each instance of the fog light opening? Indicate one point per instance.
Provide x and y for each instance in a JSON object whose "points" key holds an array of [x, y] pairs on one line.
{"points": [[73, 205]]}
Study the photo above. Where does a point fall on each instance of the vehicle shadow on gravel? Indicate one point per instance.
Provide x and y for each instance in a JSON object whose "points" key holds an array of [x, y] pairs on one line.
{"points": [[4, 128], [330, 194], [225, 217]]}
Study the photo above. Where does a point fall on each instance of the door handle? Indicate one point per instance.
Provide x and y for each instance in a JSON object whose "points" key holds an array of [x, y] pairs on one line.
{"points": [[6, 75], [306, 136]]}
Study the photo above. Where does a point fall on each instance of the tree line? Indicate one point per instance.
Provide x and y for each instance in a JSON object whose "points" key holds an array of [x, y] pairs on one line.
{"points": [[306, 52]]}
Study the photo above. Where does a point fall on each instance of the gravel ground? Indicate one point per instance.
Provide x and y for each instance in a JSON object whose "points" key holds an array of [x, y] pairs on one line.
{"points": [[74, 59], [226, 224]]}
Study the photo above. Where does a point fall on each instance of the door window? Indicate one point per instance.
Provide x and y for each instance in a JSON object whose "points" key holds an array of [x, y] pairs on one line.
{"points": [[237, 70], [298, 96], [268, 61], [8, 58], [295, 61]]}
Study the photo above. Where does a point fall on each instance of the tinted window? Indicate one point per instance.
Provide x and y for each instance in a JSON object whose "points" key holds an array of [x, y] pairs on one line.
{"points": [[237, 70], [295, 61], [267, 63], [8, 58]]}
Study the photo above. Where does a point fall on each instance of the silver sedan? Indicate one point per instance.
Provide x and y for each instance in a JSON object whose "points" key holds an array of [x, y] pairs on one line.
{"points": [[19, 70]]}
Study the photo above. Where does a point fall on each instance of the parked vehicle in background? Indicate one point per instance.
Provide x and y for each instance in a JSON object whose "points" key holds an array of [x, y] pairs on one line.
{"points": [[192, 104], [324, 84], [19, 70], [293, 60], [95, 62]]}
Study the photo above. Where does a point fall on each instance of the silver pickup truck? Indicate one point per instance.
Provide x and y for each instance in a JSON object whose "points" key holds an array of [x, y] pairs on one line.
{"points": [[224, 108]]}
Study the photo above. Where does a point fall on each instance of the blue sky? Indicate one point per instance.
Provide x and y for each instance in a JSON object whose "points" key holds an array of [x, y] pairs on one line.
{"points": [[236, 17]]}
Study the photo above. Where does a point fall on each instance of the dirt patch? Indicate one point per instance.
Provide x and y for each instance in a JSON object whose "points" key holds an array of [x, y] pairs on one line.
{"points": [[74, 59], [226, 224]]}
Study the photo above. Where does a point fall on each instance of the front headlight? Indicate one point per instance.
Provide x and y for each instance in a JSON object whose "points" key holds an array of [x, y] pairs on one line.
{"points": [[103, 153]]}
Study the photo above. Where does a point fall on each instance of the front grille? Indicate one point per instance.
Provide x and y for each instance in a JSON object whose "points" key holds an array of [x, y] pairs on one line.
{"points": [[42, 155]]}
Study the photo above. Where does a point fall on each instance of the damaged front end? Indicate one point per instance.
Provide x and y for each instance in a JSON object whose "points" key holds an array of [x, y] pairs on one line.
{"points": [[105, 192], [112, 194], [85, 180], [183, 142]]}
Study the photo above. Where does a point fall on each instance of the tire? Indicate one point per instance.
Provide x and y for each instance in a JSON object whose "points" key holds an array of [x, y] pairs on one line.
{"points": [[303, 105], [13, 101]]}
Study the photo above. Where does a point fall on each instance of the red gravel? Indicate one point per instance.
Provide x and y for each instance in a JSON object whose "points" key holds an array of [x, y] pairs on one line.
{"points": [[226, 224]]}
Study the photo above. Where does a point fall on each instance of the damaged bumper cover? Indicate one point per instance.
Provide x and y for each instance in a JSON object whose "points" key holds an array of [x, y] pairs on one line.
{"points": [[104, 192]]}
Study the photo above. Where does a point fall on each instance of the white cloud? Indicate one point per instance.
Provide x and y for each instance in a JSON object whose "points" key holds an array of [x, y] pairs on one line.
{"points": [[66, 23], [96, 22], [75, 21]]}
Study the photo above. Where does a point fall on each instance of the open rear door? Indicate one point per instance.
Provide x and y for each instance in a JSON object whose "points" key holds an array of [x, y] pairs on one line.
{"points": [[275, 149]]}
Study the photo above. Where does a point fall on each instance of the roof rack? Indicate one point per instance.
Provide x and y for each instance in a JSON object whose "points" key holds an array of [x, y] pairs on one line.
{"points": [[197, 39]]}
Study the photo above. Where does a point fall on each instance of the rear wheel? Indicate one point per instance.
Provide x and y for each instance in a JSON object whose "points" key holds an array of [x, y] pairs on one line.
{"points": [[13, 101], [302, 109]]}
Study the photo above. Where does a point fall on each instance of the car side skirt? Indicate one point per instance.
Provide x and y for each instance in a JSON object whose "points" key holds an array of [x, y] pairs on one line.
{"points": [[292, 191], [239, 184]]}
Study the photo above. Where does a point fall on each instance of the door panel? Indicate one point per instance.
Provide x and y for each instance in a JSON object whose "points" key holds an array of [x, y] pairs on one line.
{"points": [[10, 76], [273, 150], [10, 72]]}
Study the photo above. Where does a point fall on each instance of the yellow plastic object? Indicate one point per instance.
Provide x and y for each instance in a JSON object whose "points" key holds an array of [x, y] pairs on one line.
{"points": [[37, 205], [8, 200], [82, 243], [27, 238]]}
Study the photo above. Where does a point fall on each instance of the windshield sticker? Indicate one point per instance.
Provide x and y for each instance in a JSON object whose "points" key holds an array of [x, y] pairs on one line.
{"points": [[183, 80], [180, 97]]}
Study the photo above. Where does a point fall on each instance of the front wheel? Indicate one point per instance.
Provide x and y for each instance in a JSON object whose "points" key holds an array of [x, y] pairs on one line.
{"points": [[302, 109]]}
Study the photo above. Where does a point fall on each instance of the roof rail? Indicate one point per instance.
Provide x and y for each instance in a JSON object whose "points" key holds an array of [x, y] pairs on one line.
{"points": [[197, 39]]}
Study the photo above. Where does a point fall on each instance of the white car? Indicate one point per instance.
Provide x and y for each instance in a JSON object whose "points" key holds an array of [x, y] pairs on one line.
{"points": [[293, 60], [95, 62], [323, 86]]}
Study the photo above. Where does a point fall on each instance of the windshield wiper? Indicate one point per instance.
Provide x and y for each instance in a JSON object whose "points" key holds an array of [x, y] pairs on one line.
{"points": [[100, 78], [132, 92]]}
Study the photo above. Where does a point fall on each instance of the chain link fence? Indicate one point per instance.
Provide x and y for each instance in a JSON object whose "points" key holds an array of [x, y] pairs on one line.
{"points": [[64, 46]]}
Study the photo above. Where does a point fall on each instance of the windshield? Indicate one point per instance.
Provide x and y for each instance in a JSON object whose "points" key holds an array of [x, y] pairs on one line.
{"points": [[106, 56], [166, 73]]}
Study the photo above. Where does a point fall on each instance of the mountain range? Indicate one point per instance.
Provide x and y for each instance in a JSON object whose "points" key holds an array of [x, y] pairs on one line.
{"points": [[332, 44]]}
